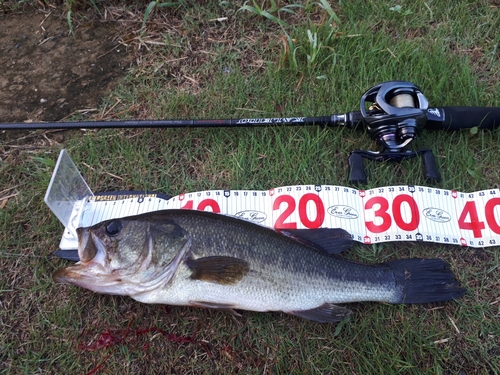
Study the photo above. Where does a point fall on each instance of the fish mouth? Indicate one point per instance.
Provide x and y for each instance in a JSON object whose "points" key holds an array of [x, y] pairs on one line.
{"points": [[91, 271], [78, 274], [92, 276]]}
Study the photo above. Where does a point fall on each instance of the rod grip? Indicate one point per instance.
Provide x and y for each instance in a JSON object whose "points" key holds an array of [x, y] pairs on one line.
{"points": [[456, 118]]}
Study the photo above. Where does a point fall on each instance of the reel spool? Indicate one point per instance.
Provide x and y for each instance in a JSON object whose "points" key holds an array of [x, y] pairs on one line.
{"points": [[393, 113]]}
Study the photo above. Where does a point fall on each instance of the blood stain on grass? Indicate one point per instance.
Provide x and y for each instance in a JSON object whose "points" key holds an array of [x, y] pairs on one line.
{"points": [[132, 338]]}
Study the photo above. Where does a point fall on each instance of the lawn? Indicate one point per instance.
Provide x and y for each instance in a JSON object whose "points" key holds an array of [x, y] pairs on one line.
{"points": [[225, 59]]}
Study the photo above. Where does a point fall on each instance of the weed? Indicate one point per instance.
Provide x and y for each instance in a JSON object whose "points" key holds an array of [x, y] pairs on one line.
{"points": [[325, 4], [157, 4], [269, 13], [399, 9]]}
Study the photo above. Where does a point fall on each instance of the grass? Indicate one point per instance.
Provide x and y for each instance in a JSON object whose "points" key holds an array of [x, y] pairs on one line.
{"points": [[249, 65]]}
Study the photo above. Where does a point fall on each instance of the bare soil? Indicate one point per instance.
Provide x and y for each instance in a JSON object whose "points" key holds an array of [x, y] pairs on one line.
{"points": [[47, 74]]}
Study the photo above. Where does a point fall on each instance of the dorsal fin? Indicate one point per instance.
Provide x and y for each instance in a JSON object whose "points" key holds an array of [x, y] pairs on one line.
{"points": [[328, 240]]}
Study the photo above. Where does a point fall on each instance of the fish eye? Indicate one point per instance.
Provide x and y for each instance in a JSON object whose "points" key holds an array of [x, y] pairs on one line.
{"points": [[114, 227]]}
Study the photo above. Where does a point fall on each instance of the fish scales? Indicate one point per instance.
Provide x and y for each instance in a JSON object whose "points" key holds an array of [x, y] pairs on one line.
{"points": [[281, 268], [184, 257]]}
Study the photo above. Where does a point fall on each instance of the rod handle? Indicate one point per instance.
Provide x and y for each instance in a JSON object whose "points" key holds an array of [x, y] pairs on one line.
{"points": [[456, 118]]}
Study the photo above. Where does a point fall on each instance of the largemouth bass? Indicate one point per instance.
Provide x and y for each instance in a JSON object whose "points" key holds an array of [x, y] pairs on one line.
{"points": [[195, 258]]}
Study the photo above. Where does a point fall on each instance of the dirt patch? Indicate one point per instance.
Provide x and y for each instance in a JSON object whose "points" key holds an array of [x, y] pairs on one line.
{"points": [[47, 74]]}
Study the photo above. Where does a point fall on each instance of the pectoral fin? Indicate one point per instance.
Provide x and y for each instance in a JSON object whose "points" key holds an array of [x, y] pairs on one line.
{"points": [[218, 269], [326, 313]]}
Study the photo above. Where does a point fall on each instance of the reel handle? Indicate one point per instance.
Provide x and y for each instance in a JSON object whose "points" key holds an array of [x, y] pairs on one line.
{"points": [[357, 174]]}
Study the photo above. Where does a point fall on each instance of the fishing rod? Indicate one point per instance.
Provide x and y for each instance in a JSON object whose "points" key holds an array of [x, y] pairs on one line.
{"points": [[393, 112]]}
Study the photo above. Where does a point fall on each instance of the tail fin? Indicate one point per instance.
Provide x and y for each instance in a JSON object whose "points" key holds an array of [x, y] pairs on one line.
{"points": [[425, 280]]}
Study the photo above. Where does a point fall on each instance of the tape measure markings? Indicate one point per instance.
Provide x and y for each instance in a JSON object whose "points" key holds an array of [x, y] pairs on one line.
{"points": [[391, 213]]}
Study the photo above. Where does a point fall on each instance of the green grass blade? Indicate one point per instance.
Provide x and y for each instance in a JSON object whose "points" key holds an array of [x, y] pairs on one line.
{"points": [[270, 17], [170, 4], [70, 22], [147, 13], [325, 4]]}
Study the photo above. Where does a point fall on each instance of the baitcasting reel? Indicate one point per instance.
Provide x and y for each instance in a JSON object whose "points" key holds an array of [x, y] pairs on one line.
{"points": [[393, 112]]}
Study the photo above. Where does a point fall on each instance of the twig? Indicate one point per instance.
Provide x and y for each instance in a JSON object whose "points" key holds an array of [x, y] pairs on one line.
{"points": [[454, 325], [46, 40], [9, 189], [79, 111], [115, 176], [109, 110], [47, 16], [442, 341], [4, 200], [88, 166], [111, 50]]}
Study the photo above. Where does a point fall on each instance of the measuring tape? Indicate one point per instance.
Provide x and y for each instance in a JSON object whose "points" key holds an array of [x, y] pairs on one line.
{"points": [[391, 213]]}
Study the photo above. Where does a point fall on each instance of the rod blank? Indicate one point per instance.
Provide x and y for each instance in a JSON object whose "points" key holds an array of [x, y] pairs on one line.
{"points": [[324, 120]]}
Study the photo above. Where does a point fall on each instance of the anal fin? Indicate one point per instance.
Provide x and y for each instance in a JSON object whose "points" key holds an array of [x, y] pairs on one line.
{"points": [[326, 313]]}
